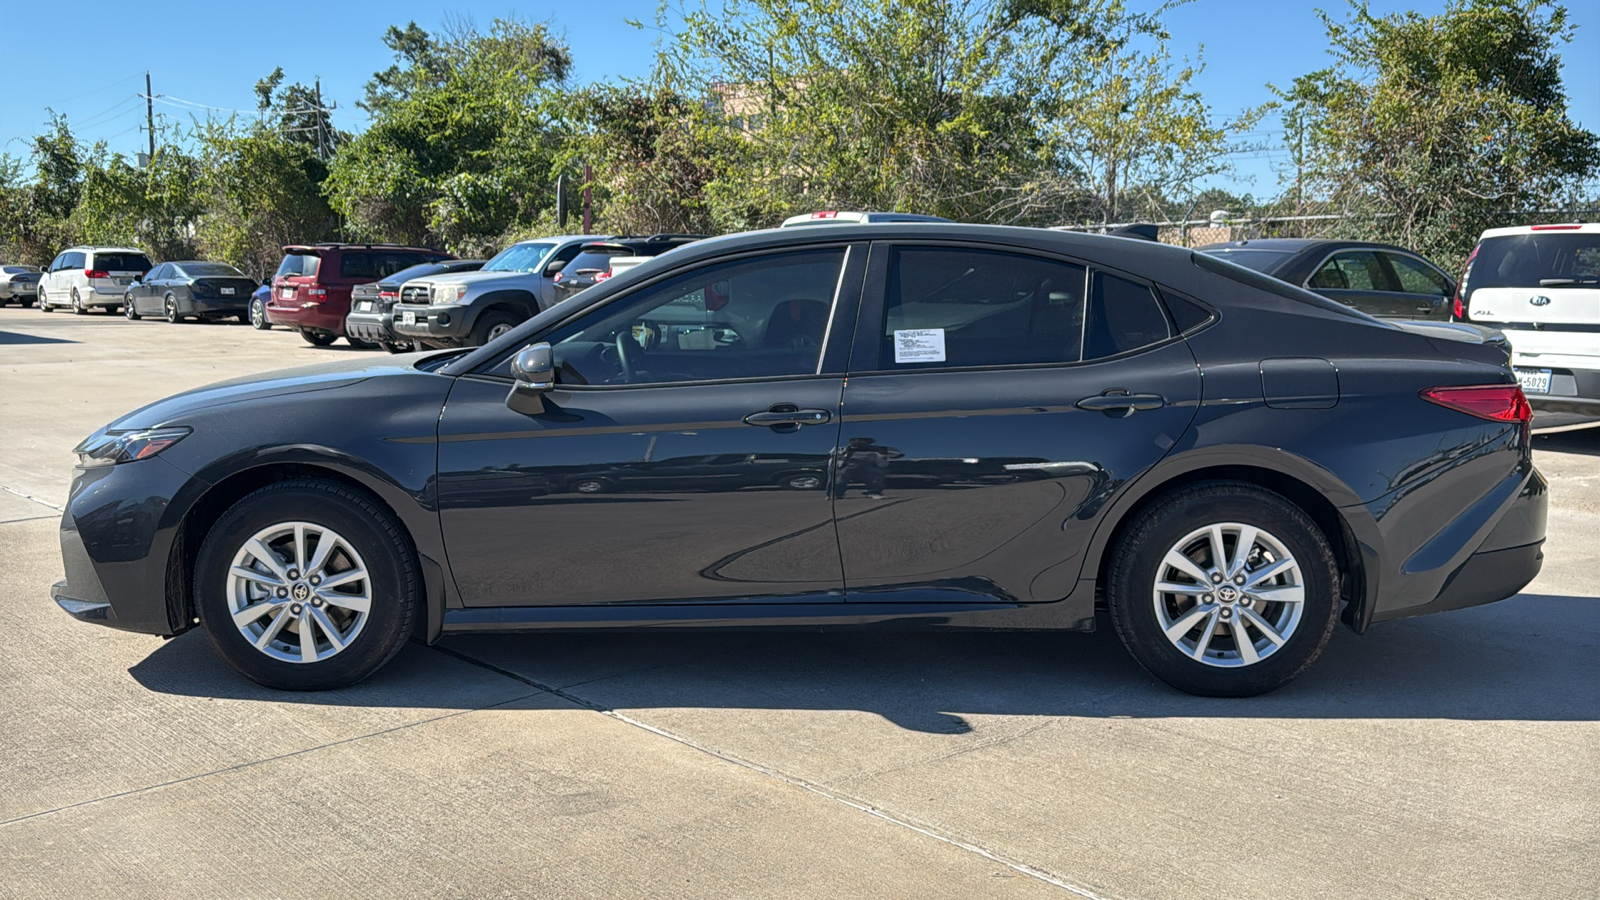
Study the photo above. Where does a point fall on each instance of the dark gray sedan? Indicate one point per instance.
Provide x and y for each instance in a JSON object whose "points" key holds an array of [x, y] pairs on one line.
{"points": [[190, 288], [1378, 279]]}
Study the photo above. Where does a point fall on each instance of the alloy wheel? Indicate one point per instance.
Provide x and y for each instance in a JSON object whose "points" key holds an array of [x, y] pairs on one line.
{"points": [[299, 592], [172, 309], [1228, 595], [77, 304], [498, 330], [258, 315]]}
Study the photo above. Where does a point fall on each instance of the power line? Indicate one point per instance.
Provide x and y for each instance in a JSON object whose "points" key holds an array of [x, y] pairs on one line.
{"points": [[90, 119], [95, 91]]}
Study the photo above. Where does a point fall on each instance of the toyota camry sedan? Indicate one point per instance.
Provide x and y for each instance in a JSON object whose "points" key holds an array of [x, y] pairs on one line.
{"points": [[905, 425]]}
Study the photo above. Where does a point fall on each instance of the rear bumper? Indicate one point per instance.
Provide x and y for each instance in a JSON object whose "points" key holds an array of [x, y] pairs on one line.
{"points": [[204, 306], [318, 317], [1486, 576], [19, 291], [371, 326]]}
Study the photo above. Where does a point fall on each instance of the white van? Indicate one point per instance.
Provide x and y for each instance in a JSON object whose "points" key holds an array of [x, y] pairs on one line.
{"points": [[84, 278], [1540, 285]]}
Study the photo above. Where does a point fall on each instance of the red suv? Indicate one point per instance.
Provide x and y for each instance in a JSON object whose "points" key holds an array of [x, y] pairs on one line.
{"points": [[311, 290]]}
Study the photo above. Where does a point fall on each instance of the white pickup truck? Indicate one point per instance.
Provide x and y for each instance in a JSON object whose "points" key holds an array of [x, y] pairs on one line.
{"points": [[1540, 285]]}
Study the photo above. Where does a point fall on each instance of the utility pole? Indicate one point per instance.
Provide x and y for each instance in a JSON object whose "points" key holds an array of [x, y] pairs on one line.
{"points": [[149, 118], [321, 154]]}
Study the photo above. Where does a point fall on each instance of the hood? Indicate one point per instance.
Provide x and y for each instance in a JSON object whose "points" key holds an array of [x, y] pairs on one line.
{"points": [[476, 277], [321, 377]]}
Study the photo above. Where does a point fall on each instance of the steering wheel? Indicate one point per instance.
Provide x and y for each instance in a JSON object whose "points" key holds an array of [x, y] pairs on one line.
{"points": [[625, 355]]}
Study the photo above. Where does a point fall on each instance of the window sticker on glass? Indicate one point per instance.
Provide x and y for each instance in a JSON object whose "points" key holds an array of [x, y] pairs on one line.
{"points": [[918, 345]]}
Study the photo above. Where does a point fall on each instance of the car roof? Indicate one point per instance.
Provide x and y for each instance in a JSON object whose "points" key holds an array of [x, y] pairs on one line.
{"points": [[1296, 245], [193, 262], [300, 248], [1578, 227], [843, 217], [96, 249]]}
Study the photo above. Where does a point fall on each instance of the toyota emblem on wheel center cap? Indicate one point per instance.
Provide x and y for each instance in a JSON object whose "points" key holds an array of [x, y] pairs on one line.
{"points": [[1539, 300], [301, 591]]}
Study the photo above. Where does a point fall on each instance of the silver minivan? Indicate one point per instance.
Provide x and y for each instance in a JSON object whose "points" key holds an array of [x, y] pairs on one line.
{"points": [[84, 278]]}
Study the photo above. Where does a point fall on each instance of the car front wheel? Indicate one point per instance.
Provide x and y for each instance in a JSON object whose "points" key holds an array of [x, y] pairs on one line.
{"points": [[258, 315], [1223, 589], [319, 338], [307, 585], [128, 310]]}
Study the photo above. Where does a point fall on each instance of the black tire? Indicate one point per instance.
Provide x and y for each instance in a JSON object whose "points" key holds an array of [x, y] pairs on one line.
{"points": [[359, 344], [484, 330], [169, 306], [129, 311], [77, 304], [242, 318], [258, 315], [44, 305], [27, 303], [319, 338], [1138, 561], [385, 548]]}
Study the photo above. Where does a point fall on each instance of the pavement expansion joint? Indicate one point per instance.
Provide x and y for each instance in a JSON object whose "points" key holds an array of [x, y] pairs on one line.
{"points": [[131, 792], [26, 496], [792, 780]]}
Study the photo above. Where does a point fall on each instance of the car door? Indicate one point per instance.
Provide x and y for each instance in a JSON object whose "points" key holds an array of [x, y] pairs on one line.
{"points": [[623, 487], [1425, 291], [148, 295], [995, 401], [1357, 278], [47, 284]]}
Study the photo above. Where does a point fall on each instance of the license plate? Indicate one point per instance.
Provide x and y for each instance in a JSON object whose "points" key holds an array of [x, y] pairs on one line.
{"points": [[124, 281], [408, 318], [286, 293], [26, 288], [227, 292], [1534, 381], [364, 306]]}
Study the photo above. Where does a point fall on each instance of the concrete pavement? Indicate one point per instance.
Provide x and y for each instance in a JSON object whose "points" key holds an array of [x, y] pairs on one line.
{"points": [[1450, 756]]}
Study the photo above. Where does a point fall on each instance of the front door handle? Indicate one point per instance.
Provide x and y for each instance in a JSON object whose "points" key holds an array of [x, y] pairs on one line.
{"points": [[1118, 399], [787, 416]]}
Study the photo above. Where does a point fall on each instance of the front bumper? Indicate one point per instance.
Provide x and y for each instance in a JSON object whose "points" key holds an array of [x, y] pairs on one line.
{"points": [[314, 317], [445, 322]]}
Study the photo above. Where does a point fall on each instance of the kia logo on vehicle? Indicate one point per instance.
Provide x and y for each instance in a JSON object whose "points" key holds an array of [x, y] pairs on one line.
{"points": [[1539, 300]]}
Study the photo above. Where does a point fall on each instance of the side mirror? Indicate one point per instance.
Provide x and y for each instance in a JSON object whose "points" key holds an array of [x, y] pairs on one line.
{"points": [[533, 372], [555, 267]]}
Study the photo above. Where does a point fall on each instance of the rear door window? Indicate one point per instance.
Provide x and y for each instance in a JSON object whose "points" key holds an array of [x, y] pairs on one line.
{"points": [[952, 308], [1353, 270], [1417, 277]]}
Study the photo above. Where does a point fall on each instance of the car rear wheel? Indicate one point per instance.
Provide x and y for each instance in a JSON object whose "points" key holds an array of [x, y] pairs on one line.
{"points": [[258, 315], [307, 585], [319, 338], [77, 304], [359, 344], [1223, 589], [170, 306], [491, 325]]}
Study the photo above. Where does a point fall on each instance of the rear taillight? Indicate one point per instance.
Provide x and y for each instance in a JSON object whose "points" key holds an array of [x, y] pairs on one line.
{"points": [[96, 273], [1458, 307], [602, 276], [1495, 402], [317, 293], [388, 295], [1555, 227]]}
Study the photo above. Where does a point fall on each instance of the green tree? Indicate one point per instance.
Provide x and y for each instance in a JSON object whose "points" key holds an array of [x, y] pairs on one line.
{"points": [[461, 157], [1428, 129], [262, 189]]}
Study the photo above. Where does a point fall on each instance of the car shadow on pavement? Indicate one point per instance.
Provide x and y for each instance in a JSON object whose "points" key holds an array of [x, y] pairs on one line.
{"points": [[1584, 441], [12, 337], [1529, 658]]}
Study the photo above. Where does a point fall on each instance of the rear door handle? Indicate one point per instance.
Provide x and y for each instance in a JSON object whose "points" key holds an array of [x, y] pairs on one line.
{"points": [[787, 414], [1114, 400]]}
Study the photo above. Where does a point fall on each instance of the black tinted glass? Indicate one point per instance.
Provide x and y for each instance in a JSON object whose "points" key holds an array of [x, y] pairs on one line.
{"points": [[589, 262], [1534, 260], [211, 270], [1260, 260], [122, 262], [299, 264], [1123, 315], [952, 308], [360, 264]]}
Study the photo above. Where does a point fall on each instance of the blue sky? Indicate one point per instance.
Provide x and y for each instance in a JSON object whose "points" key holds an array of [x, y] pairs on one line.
{"points": [[212, 53]]}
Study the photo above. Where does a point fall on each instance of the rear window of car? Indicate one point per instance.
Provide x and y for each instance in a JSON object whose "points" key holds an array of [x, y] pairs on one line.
{"points": [[15, 270], [122, 262], [203, 270], [299, 264], [595, 259], [1260, 260], [1536, 260]]}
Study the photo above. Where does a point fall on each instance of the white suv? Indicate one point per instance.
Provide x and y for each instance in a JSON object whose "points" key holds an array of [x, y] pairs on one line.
{"points": [[88, 277], [1540, 285]]}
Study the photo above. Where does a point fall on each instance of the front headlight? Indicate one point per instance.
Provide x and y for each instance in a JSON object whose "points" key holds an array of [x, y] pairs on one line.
{"points": [[112, 447], [448, 293]]}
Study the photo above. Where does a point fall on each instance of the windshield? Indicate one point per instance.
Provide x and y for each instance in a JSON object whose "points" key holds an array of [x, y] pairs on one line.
{"points": [[1552, 260], [203, 269], [1260, 260], [299, 264], [519, 258]]}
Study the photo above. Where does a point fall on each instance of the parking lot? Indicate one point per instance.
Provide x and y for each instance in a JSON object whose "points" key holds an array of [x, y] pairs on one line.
{"points": [[1455, 755]]}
